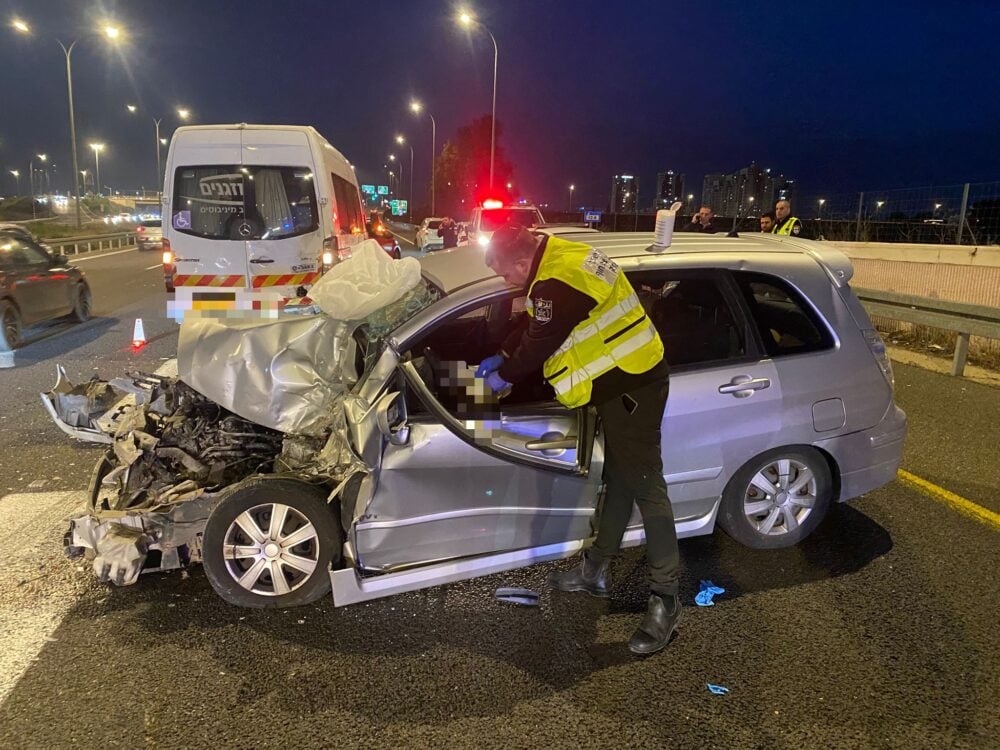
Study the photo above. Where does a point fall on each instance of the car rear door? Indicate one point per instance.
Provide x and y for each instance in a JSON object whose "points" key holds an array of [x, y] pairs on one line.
{"points": [[285, 243], [725, 402]]}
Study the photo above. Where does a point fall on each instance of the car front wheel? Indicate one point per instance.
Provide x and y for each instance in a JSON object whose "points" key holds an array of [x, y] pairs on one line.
{"points": [[270, 543], [10, 326], [777, 499]]}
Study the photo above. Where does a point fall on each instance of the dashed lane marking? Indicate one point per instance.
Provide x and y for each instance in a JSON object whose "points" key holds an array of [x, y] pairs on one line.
{"points": [[953, 501]]}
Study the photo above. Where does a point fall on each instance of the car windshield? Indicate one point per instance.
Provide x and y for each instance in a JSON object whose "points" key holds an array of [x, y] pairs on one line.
{"points": [[244, 203], [495, 218], [373, 333]]}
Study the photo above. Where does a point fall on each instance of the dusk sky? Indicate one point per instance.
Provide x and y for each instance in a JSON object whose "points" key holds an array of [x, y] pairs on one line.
{"points": [[842, 96]]}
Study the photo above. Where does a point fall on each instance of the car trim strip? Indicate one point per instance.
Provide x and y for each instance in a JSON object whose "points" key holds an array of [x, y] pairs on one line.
{"points": [[498, 510]]}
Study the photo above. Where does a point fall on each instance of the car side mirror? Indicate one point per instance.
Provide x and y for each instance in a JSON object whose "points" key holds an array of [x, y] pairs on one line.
{"points": [[391, 417], [59, 260]]}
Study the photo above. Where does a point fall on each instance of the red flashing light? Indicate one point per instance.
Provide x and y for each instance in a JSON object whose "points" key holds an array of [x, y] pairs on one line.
{"points": [[492, 203]]}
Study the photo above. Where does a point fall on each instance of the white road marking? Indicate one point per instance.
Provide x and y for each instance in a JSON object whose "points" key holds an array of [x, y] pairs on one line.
{"points": [[38, 585], [37, 581], [74, 260], [158, 265]]}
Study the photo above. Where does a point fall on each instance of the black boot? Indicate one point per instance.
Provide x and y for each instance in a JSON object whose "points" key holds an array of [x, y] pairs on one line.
{"points": [[590, 576], [658, 624]]}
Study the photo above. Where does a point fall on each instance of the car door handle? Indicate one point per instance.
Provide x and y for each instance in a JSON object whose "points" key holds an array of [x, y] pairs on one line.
{"points": [[743, 385], [546, 445], [261, 260]]}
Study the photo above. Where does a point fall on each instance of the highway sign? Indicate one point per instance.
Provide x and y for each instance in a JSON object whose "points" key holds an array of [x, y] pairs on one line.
{"points": [[370, 189], [383, 189], [592, 216]]}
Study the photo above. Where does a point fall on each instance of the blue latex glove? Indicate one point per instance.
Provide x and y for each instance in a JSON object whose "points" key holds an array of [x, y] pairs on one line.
{"points": [[704, 597], [717, 689], [488, 365], [500, 386]]}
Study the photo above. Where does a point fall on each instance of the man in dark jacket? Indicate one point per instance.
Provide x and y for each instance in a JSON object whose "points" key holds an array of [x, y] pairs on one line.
{"points": [[590, 336], [449, 231], [702, 221]]}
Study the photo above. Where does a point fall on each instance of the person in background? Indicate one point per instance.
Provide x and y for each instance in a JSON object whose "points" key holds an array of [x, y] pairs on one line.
{"points": [[589, 334], [702, 221], [449, 232], [786, 223], [767, 221]]}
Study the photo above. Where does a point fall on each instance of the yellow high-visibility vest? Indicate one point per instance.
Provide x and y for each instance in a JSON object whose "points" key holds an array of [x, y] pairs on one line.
{"points": [[784, 228], [616, 333]]}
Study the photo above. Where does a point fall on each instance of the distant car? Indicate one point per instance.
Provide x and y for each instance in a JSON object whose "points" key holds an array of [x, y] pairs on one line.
{"points": [[149, 235], [378, 232], [492, 215], [36, 286], [122, 218], [427, 238]]}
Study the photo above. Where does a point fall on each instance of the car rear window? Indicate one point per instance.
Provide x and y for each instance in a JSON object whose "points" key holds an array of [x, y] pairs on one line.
{"points": [[494, 218], [229, 202], [433, 224], [786, 322], [156, 223]]}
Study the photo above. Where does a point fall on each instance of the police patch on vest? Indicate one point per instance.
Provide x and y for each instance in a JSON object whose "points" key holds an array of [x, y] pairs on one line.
{"points": [[796, 228], [601, 266], [543, 310]]}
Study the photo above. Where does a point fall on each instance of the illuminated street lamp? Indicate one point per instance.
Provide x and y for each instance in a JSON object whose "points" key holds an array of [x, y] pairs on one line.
{"points": [[821, 201], [416, 107], [17, 178], [31, 179], [183, 114], [110, 32], [468, 21], [409, 196], [399, 177], [571, 189], [98, 148]]}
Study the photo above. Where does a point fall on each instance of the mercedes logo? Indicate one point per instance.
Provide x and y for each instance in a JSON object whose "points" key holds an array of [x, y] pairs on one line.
{"points": [[245, 230]]}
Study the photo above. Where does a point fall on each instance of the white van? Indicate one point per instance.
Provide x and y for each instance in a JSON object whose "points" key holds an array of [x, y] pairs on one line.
{"points": [[253, 215]]}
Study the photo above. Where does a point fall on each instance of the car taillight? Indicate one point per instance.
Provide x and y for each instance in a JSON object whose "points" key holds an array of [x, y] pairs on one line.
{"points": [[878, 350], [168, 256], [140, 230], [330, 253]]}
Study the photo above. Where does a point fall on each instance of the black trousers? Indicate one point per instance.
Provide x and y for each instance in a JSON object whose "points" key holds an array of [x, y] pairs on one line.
{"points": [[633, 473]]}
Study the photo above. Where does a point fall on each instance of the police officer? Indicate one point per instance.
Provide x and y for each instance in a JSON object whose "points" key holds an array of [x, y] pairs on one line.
{"points": [[786, 223], [589, 334]]}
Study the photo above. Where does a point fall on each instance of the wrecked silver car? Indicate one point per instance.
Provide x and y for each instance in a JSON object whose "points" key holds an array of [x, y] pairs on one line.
{"points": [[354, 449]]}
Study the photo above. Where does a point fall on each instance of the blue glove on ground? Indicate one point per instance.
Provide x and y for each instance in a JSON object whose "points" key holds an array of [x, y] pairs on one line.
{"points": [[488, 365], [500, 386], [708, 590]]}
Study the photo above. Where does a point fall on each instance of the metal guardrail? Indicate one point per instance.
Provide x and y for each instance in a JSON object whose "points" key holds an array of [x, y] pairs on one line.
{"points": [[964, 319], [90, 244]]}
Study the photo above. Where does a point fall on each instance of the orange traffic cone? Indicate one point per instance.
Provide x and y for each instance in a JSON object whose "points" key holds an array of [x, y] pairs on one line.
{"points": [[138, 335]]}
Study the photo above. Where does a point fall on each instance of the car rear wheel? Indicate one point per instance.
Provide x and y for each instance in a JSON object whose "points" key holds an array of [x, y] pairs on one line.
{"points": [[777, 499], [10, 326], [81, 304], [270, 543]]}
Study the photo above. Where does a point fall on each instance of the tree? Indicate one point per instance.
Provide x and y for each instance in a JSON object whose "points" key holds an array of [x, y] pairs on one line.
{"points": [[462, 171]]}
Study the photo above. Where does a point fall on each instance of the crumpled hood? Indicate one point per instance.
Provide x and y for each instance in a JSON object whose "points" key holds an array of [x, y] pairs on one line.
{"points": [[283, 374]]}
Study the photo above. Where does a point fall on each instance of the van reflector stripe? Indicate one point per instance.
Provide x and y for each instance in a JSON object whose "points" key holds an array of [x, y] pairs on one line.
{"points": [[208, 280], [288, 279]]}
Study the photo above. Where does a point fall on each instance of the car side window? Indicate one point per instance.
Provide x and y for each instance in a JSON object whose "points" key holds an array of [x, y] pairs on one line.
{"points": [[16, 252], [786, 322], [34, 253], [690, 310]]}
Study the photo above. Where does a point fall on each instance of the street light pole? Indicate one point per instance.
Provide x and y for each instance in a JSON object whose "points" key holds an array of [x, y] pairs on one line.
{"points": [[468, 20], [17, 178], [416, 107], [72, 127], [571, 189], [97, 147]]}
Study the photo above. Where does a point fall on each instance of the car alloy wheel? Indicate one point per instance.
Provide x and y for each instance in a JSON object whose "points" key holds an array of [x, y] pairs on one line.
{"points": [[10, 326], [270, 542], [780, 497]]}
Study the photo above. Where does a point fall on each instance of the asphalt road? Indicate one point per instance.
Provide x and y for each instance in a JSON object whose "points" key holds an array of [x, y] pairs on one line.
{"points": [[878, 631]]}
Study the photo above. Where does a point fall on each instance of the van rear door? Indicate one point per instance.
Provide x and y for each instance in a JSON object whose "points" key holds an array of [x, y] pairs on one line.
{"points": [[207, 210], [284, 238]]}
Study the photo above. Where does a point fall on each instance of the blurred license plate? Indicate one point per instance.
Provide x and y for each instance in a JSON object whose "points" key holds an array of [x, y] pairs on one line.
{"points": [[213, 301]]}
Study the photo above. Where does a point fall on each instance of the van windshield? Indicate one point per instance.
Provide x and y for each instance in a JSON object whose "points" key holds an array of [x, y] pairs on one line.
{"points": [[231, 202]]}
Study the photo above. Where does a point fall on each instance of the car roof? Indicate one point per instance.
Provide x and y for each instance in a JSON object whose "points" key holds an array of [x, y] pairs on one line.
{"points": [[450, 270]]}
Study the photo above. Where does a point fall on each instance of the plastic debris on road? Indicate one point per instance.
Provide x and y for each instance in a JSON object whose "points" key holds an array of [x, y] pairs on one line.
{"points": [[717, 689], [523, 597], [708, 590]]}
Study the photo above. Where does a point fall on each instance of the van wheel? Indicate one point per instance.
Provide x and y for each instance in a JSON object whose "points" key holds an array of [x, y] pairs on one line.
{"points": [[777, 499], [10, 326], [270, 543]]}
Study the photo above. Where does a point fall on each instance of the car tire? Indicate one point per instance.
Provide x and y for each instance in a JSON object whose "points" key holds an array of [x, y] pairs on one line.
{"points": [[10, 326], [82, 303], [250, 506], [762, 509]]}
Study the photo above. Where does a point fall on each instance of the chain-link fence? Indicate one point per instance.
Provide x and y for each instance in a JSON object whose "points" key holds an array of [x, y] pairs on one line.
{"points": [[966, 214]]}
